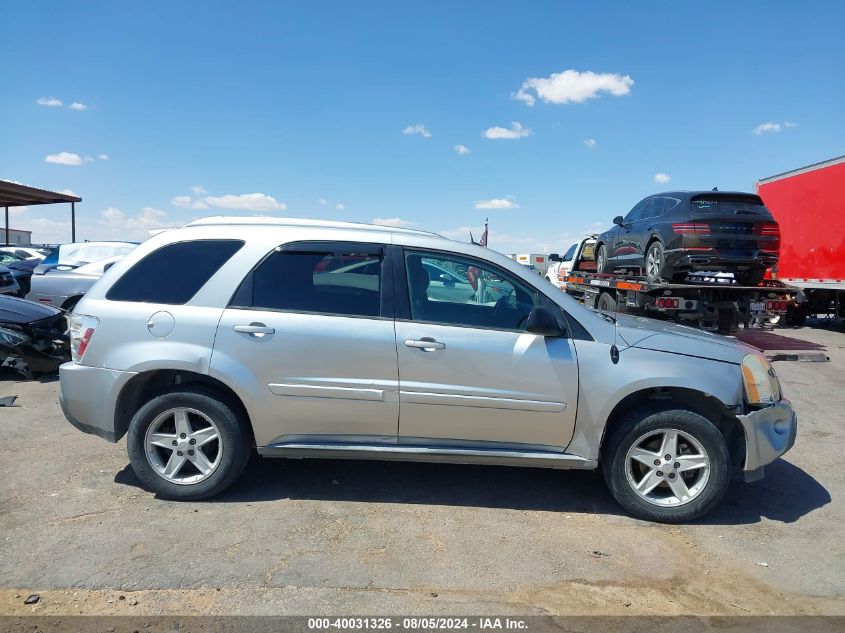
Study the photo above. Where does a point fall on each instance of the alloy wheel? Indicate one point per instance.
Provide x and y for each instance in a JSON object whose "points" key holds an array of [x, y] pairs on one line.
{"points": [[667, 467], [183, 445], [653, 262]]}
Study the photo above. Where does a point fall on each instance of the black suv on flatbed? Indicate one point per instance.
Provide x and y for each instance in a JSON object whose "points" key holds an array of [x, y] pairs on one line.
{"points": [[668, 235]]}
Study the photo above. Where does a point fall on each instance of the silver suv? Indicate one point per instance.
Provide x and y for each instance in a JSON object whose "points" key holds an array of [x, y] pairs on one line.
{"points": [[301, 338]]}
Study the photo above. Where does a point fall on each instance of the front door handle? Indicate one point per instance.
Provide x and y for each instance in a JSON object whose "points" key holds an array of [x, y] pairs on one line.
{"points": [[255, 329], [426, 344]]}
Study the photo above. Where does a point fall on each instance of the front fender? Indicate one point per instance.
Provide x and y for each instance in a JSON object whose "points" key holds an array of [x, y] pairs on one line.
{"points": [[603, 385]]}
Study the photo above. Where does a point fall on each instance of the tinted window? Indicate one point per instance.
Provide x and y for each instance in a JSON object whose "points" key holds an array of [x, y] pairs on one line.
{"points": [[454, 290], [567, 257], [173, 273], [654, 208], [345, 283], [636, 213]]}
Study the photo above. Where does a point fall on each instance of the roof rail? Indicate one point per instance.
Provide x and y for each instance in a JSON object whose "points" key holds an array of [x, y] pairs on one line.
{"points": [[329, 224]]}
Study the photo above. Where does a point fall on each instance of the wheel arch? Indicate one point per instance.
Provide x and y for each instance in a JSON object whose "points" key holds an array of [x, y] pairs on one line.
{"points": [[146, 385], [652, 400]]}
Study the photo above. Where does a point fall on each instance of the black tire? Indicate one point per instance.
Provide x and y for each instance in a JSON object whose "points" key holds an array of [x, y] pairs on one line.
{"points": [[640, 423], [603, 266], [234, 442], [796, 316], [750, 277], [661, 270], [606, 302]]}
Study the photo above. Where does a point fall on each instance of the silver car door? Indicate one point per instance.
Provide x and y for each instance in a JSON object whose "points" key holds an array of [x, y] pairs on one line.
{"points": [[310, 336], [469, 374]]}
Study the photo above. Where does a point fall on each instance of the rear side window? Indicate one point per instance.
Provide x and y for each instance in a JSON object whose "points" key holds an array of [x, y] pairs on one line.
{"points": [[173, 273], [344, 283]]}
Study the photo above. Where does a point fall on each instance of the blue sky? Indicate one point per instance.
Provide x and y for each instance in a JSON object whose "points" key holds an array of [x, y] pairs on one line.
{"points": [[304, 105]]}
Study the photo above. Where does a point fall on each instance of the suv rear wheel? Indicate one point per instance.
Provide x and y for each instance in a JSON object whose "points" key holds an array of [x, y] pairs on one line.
{"points": [[670, 466], [655, 263], [188, 444]]}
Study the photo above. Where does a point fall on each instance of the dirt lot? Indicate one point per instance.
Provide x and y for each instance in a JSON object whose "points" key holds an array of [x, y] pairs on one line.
{"points": [[305, 537]]}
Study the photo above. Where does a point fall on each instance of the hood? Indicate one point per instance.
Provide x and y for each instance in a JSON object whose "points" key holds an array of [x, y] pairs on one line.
{"points": [[679, 339], [20, 311]]}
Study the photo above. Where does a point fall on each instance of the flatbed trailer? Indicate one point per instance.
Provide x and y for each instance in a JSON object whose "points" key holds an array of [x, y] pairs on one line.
{"points": [[715, 303]]}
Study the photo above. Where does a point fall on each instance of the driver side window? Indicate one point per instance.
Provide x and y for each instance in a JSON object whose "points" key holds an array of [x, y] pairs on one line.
{"points": [[455, 290], [637, 212]]}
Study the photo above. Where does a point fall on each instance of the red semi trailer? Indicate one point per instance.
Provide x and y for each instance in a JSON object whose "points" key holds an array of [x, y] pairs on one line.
{"points": [[809, 205]]}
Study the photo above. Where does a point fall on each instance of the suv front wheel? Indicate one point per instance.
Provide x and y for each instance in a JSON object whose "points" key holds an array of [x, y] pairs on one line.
{"points": [[669, 466], [187, 444]]}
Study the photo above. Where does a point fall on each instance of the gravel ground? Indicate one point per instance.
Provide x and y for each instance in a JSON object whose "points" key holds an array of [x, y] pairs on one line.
{"points": [[324, 536]]}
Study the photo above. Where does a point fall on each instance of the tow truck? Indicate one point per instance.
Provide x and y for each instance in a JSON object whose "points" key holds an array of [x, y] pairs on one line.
{"points": [[709, 301]]}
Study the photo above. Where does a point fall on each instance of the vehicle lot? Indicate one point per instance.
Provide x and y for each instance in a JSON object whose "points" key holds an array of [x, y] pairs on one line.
{"points": [[355, 537]]}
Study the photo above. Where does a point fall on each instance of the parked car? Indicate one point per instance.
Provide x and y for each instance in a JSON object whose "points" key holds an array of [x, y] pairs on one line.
{"points": [[255, 344], [21, 269], [668, 235], [559, 266], [64, 288], [8, 284], [25, 252], [33, 337], [70, 256]]}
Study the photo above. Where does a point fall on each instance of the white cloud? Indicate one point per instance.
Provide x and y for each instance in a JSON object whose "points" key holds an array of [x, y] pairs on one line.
{"points": [[496, 203], [662, 178], [187, 202], [516, 131], [64, 158], [103, 156], [571, 86], [197, 189], [67, 192], [115, 223], [51, 102], [323, 201], [245, 201], [789, 124], [398, 223], [339, 206], [78, 106], [766, 128], [419, 128], [590, 142], [462, 149]]}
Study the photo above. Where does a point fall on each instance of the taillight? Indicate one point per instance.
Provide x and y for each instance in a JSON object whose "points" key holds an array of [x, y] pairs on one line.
{"points": [[777, 306], [668, 303], [692, 228], [81, 332], [768, 230]]}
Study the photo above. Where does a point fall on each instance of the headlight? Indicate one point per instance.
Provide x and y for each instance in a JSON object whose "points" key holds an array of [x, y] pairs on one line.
{"points": [[12, 337], [761, 382]]}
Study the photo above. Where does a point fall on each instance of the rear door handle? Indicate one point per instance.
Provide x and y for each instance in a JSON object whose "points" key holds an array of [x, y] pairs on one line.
{"points": [[255, 329], [426, 344]]}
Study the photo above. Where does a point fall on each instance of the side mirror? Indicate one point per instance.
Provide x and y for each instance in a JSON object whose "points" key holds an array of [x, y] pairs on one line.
{"points": [[618, 220], [543, 321], [554, 257]]}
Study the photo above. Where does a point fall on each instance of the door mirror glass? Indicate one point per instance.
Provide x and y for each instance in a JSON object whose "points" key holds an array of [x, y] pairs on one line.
{"points": [[618, 220], [542, 321]]}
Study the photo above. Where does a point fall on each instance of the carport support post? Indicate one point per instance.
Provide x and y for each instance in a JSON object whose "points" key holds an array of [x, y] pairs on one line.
{"points": [[72, 222], [7, 226]]}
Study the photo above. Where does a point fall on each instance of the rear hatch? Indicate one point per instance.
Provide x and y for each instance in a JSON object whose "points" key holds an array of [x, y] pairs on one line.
{"points": [[736, 224]]}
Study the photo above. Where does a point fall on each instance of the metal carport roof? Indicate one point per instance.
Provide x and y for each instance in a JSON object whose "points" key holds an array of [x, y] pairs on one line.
{"points": [[13, 194]]}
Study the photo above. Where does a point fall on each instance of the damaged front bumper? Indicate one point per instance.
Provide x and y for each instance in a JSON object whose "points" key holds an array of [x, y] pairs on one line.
{"points": [[769, 433], [34, 349]]}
